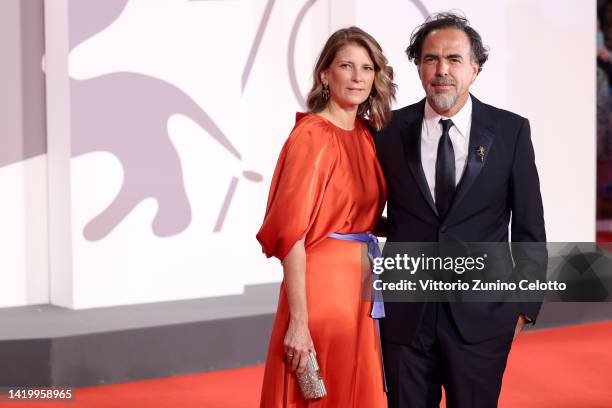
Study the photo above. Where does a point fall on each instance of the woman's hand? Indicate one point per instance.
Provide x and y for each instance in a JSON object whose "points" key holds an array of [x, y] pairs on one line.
{"points": [[298, 344]]}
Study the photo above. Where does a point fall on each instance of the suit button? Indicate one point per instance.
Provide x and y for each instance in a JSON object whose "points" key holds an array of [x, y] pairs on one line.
{"points": [[443, 228]]}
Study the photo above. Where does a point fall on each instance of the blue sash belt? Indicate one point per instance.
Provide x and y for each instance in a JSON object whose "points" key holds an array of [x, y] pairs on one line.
{"points": [[378, 306]]}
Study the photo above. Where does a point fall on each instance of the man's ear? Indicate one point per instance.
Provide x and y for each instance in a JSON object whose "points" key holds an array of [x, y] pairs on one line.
{"points": [[475, 68]]}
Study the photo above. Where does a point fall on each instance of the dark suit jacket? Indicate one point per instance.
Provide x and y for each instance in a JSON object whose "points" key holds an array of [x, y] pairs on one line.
{"points": [[492, 189]]}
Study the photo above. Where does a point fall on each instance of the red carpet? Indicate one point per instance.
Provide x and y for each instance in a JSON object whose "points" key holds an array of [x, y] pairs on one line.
{"points": [[603, 236], [569, 367]]}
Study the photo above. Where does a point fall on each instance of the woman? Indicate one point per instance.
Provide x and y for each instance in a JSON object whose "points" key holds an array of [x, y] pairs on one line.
{"points": [[328, 182]]}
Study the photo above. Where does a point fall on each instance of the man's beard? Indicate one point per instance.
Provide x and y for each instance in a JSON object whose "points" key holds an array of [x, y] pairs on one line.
{"points": [[443, 101]]}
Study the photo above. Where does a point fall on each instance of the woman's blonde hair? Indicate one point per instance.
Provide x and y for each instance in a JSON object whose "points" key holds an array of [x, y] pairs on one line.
{"points": [[375, 110]]}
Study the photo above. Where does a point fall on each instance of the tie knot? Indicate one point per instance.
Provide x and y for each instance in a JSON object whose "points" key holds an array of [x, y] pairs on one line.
{"points": [[446, 125]]}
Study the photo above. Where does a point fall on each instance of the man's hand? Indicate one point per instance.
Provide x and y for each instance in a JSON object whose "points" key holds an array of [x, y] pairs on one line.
{"points": [[519, 325]]}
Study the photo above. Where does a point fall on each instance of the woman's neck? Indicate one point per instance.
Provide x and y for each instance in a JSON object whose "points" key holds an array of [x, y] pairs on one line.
{"points": [[342, 117]]}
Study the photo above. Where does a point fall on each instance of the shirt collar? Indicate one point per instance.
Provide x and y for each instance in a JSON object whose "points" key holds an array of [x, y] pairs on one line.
{"points": [[461, 120]]}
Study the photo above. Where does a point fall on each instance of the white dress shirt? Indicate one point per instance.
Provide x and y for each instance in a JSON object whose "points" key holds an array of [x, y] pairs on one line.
{"points": [[430, 137]]}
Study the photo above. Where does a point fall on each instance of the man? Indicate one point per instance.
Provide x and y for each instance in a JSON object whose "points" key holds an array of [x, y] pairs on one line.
{"points": [[457, 170]]}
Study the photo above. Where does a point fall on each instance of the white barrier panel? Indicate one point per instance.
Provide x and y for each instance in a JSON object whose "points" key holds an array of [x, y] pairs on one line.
{"points": [[165, 118]]}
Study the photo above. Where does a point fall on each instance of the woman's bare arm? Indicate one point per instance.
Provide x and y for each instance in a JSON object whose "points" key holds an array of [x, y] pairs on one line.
{"points": [[297, 338]]}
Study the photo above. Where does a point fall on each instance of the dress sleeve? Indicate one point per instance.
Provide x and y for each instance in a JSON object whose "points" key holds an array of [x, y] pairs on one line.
{"points": [[297, 189]]}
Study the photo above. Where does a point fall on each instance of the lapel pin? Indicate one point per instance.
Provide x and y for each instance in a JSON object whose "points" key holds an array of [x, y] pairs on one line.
{"points": [[481, 153]]}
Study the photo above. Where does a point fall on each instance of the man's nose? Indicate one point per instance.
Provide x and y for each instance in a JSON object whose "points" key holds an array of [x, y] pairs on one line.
{"points": [[442, 68]]}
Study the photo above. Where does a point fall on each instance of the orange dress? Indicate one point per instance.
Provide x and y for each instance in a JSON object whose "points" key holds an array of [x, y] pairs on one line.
{"points": [[326, 180]]}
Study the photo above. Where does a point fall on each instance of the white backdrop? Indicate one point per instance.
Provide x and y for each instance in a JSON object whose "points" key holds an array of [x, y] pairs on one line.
{"points": [[234, 60]]}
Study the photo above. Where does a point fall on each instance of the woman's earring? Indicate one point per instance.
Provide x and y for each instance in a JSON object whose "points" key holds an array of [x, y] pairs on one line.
{"points": [[325, 92]]}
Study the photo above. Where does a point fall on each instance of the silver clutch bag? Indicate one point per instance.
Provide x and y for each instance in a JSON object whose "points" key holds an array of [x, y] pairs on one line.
{"points": [[311, 381]]}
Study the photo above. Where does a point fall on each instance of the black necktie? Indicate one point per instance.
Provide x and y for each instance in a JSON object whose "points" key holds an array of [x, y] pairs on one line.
{"points": [[445, 170]]}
